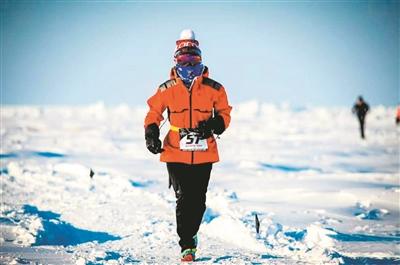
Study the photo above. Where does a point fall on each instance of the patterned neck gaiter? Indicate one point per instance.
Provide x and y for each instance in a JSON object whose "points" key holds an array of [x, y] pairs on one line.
{"points": [[188, 73]]}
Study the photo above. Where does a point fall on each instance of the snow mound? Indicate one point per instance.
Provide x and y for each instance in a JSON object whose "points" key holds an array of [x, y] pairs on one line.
{"points": [[17, 228], [222, 227], [313, 244]]}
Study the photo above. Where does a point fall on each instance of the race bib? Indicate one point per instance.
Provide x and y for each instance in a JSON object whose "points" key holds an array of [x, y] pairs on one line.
{"points": [[190, 141]]}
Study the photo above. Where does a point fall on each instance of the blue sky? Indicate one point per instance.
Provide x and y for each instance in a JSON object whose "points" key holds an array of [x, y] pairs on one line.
{"points": [[305, 53]]}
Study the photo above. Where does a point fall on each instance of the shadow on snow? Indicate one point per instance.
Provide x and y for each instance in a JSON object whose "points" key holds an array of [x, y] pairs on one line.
{"points": [[31, 154], [365, 260], [287, 168], [300, 235], [141, 184], [209, 215], [57, 232], [364, 238]]}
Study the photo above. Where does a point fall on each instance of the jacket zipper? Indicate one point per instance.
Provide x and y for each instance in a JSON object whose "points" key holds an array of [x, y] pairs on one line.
{"points": [[190, 102], [190, 111]]}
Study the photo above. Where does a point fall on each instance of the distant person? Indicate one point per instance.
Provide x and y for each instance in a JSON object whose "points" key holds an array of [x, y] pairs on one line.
{"points": [[361, 108], [398, 115], [197, 109]]}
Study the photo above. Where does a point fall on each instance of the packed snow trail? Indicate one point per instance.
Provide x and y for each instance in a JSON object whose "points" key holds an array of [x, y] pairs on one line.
{"points": [[322, 195]]}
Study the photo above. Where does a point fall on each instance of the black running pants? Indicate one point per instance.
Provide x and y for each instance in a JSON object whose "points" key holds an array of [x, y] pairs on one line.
{"points": [[190, 184], [361, 119]]}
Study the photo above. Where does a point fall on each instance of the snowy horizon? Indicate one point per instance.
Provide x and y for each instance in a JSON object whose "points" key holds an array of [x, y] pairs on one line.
{"points": [[253, 102]]}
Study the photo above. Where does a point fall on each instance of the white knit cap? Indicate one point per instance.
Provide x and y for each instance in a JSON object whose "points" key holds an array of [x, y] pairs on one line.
{"points": [[187, 34], [187, 44]]}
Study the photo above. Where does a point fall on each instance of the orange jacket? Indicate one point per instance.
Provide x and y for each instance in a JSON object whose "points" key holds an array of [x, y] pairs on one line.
{"points": [[185, 110]]}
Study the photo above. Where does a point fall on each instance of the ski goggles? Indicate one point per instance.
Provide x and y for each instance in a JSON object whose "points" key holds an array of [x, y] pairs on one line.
{"points": [[187, 50], [188, 59]]}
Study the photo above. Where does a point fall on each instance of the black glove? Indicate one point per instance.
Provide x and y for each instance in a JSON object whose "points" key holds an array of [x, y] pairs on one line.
{"points": [[152, 133], [212, 125], [154, 145]]}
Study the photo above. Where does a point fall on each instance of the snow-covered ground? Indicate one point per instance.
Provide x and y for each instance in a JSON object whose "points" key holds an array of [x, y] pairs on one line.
{"points": [[322, 195]]}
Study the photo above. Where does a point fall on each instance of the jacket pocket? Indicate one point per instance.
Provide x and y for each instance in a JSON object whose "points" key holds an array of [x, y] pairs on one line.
{"points": [[201, 115], [203, 110], [177, 111], [179, 117]]}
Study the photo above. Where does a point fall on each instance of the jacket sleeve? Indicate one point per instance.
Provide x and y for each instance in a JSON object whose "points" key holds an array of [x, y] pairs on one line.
{"points": [[222, 107], [156, 108]]}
